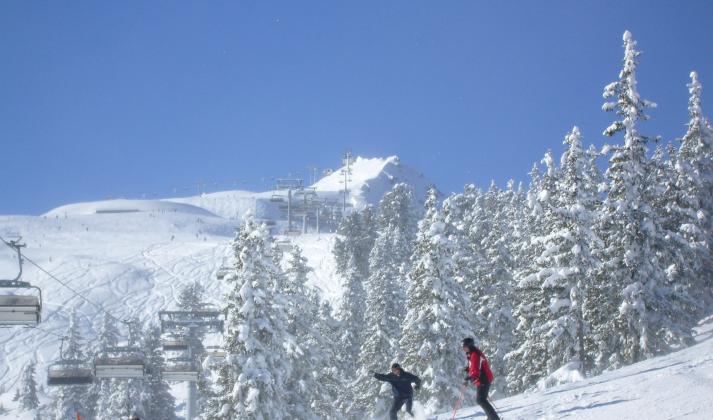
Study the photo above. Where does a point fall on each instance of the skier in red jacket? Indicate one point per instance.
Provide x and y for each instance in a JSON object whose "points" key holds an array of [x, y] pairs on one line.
{"points": [[480, 375]]}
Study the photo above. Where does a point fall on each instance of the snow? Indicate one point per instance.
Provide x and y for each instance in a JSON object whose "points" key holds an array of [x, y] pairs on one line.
{"points": [[566, 374], [126, 206], [678, 385], [133, 256], [370, 178], [131, 263]]}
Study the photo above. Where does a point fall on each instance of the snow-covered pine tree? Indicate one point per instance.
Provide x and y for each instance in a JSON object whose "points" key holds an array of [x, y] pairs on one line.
{"points": [[385, 296], [554, 291], [158, 402], [630, 274], [527, 363], [435, 323], [351, 252], [126, 397], [252, 381], [68, 400], [191, 296], [461, 212], [306, 395], [694, 179], [494, 323], [100, 392], [679, 235], [28, 396]]}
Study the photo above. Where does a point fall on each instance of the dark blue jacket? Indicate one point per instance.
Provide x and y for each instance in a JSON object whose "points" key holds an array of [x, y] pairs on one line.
{"points": [[401, 384]]}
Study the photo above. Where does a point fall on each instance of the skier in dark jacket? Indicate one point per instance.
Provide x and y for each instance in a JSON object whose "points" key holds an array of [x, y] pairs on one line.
{"points": [[400, 381], [480, 375]]}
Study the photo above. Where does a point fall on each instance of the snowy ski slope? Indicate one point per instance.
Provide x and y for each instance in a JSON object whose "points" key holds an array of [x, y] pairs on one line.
{"points": [[675, 386], [131, 257], [132, 264]]}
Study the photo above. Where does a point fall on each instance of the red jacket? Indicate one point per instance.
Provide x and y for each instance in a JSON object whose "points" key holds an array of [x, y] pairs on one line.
{"points": [[478, 368]]}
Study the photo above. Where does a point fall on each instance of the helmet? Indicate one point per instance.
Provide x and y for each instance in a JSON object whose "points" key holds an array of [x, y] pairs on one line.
{"points": [[468, 342], [396, 366]]}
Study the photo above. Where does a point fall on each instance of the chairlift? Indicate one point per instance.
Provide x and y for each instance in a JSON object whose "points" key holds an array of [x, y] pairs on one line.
{"points": [[215, 355], [67, 372], [120, 363], [21, 309], [181, 371], [276, 198], [174, 342], [222, 272], [284, 244], [207, 318]]}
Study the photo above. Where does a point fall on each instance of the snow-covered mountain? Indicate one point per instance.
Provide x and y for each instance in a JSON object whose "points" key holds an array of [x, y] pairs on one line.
{"points": [[369, 179], [132, 257]]}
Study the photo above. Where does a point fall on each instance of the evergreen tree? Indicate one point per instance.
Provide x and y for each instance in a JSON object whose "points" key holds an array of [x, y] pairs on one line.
{"points": [[494, 312], [527, 363], [434, 324], [100, 392], [553, 293], [28, 396], [158, 402], [628, 279], [125, 397], [351, 253], [694, 179], [68, 400], [251, 384], [385, 296], [307, 396]]}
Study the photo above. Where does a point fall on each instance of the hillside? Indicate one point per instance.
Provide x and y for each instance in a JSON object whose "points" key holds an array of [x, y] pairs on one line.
{"points": [[132, 256]]}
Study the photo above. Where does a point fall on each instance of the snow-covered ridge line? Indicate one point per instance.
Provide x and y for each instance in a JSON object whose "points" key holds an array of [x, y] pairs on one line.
{"points": [[119, 206]]}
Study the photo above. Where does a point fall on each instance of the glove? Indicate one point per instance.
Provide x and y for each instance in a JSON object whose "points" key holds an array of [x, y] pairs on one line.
{"points": [[465, 369], [467, 380], [417, 387]]}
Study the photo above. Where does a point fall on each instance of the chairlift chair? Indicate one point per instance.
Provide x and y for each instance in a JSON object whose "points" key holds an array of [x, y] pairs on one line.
{"points": [[276, 198], [215, 355], [180, 372], [222, 272], [174, 342], [284, 245], [69, 372], [120, 363], [21, 309], [207, 318]]}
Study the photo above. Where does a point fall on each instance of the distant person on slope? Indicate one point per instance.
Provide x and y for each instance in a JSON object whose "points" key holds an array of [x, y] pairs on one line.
{"points": [[480, 375], [400, 381]]}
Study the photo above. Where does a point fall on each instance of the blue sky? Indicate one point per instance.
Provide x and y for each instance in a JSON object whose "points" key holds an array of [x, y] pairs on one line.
{"points": [[126, 99]]}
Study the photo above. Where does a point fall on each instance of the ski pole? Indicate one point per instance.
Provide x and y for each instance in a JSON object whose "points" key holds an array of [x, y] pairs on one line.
{"points": [[460, 400]]}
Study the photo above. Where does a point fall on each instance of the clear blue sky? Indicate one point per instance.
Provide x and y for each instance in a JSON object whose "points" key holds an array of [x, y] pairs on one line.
{"points": [[120, 99]]}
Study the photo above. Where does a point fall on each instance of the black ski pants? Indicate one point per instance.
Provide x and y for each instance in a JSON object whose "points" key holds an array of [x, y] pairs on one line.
{"points": [[482, 400], [398, 403]]}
